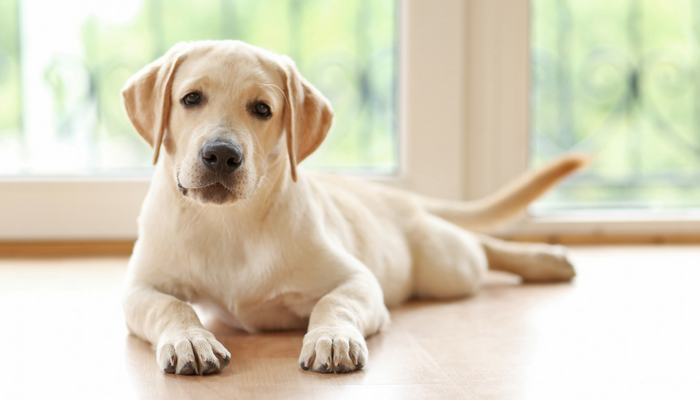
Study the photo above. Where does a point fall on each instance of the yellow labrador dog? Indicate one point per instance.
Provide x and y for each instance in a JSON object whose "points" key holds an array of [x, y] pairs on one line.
{"points": [[232, 224]]}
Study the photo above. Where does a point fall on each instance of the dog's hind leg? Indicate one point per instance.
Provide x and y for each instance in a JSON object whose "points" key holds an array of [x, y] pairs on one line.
{"points": [[534, 262], [448, 262]]}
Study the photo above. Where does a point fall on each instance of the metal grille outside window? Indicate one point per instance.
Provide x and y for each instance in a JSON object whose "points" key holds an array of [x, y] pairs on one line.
{"points": [[621, 80]]}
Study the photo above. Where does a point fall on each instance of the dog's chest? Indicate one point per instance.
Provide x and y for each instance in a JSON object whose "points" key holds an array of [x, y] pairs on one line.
{"points": [[286, 311], [244, 286]]}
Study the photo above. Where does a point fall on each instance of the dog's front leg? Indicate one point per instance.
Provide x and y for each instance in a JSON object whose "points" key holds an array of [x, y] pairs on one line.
{"points": [[339, 323], [183, 345]]}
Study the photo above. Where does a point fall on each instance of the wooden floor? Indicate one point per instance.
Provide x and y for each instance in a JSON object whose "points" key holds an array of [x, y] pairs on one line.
{"points": [[628, 327]]}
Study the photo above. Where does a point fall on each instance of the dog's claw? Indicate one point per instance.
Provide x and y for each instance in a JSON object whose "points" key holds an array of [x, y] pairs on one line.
{"points": [[188, 369], [172, 362], [341, 369], [224, 360], [209, 367], [323, 369]]}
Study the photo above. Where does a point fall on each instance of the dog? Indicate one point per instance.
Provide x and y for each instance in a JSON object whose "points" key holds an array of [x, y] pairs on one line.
{"points": [[232, 224]]}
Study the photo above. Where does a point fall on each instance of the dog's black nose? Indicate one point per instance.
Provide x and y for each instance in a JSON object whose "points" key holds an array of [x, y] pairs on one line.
{"points": [[221, 156]]}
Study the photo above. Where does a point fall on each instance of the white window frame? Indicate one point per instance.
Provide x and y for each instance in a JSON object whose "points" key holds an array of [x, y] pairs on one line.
{"points": [[464, 132]]}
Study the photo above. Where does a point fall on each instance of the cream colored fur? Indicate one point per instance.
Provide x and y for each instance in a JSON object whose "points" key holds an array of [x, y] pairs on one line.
{"points": [[263, 251]]}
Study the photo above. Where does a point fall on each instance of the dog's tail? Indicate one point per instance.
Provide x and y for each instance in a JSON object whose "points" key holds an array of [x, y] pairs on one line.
{"points": [[507, 202]]}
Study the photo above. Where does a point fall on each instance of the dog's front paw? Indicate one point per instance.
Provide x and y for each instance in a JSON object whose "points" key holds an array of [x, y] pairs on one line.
{"points": [[191, 352], [327, 350]]}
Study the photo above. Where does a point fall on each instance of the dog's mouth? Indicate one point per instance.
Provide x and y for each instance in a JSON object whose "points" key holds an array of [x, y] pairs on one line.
{"points": [[215, 192]]}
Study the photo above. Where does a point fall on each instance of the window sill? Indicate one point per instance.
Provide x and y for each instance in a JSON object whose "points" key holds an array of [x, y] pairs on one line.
{"points": [[613, 227]]}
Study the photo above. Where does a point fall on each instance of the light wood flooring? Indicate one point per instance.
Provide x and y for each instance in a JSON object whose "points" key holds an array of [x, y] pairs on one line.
{"points": [[628, 327]]}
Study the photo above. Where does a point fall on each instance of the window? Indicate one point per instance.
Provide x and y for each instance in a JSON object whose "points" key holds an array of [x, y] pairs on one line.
{"points": [[63, 64], [618, 79], [455, 104], [505, 131]]}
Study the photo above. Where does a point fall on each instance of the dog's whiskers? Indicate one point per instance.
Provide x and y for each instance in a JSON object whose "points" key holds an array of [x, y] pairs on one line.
{"points": [[182, 232], [230, 238]]}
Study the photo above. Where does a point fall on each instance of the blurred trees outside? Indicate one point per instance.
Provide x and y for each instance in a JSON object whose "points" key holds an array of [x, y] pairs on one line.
{"points": [[620, 80], [10, 97], [346, 48]]}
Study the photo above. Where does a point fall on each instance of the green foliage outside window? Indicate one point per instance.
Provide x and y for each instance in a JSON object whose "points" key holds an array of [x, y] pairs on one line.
{"points": [[347, 48], [10, 100], [621, 80]]}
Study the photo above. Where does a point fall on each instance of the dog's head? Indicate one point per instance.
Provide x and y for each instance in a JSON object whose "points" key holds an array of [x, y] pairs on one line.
{"points": [[225, 112]]}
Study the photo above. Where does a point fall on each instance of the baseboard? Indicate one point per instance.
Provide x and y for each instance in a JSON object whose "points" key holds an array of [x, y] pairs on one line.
{"points": [[606, 239], [66, 249], [125, 247]]}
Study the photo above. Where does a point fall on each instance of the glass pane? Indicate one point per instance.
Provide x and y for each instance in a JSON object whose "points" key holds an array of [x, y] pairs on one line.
{"points": [[77, 54], [618, 79], [10, 98]]}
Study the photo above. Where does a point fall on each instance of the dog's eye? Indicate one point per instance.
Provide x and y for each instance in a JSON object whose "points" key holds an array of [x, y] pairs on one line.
{"points": [[192, 99], [262, 110]]}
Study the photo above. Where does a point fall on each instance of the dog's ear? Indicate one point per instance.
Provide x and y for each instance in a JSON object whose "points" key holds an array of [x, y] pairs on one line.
{"points": [[146, 97], [307, 118]]}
